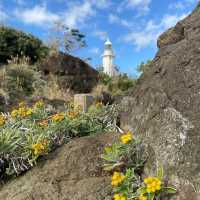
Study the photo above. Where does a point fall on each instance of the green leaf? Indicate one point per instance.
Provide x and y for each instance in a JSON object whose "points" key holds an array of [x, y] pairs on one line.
{"points": [[151, 196], [170, 190], [160, 172], [142, 190]]}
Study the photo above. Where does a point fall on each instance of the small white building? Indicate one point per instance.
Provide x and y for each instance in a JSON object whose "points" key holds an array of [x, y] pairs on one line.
{"points": [[108, 59]]}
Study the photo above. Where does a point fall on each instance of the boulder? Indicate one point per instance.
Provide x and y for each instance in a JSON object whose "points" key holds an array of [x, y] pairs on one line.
{"points": [[71, 72], [163, 109], [72, 172]]}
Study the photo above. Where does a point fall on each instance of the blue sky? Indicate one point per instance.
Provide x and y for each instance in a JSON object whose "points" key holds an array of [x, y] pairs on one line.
{"points": [[131, 25]]}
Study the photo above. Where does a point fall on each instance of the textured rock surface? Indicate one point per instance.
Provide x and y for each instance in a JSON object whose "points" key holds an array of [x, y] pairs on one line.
{"points": [[164, 107], [73, 172], [72, 72]]}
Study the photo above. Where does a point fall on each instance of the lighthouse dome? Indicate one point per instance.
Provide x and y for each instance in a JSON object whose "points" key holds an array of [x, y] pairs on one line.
{"points": [[108, 42]]}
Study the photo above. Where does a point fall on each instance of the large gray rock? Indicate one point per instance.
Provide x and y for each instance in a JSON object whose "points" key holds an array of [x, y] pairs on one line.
{"points": [[73, 172], [164, 107]]}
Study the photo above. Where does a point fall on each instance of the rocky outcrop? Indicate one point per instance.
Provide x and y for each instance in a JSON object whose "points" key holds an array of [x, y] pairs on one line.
{"points": [[172, 36], [73, 172], [72, 72], [164, 107]]}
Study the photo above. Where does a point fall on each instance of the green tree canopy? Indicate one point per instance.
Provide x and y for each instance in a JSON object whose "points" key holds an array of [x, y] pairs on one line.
{"points": [[16, 43]]}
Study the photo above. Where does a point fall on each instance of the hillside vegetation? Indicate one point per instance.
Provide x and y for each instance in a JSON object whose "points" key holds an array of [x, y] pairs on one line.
{"points": [[17, 43]]}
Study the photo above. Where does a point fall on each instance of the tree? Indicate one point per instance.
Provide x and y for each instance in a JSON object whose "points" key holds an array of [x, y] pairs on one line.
{"points": [[17, 43], [63, 38]]}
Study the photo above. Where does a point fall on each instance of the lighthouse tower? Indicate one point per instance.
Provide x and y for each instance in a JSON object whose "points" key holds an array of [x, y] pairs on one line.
{"points": [[108, 59]]}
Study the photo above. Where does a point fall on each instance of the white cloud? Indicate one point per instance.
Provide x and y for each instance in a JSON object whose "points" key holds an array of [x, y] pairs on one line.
{"points": [[75, 15], [182, 4], [95, 51], [78, 14], [38, 15], [141, 5], [114, 19], [149, 34], [177, 5], [101, 4], [102, 35]]}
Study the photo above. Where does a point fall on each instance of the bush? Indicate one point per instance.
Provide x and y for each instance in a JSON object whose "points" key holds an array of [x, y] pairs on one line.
{"points": [[28, 133], [113, 85], [14, 42], [125, 159], [19, 81]]}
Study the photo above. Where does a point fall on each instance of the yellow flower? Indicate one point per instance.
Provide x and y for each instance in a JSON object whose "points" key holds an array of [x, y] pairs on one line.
{"points": [[14, 113], [117, 179], [39, 147], [58, 117], [22, 111], [126, 138], [72, 115], [22, 104], [142, 197], [108, 149], [2, 120], [99, 105], [29, 111], [119, 197], [39, 104], [153, 184]]}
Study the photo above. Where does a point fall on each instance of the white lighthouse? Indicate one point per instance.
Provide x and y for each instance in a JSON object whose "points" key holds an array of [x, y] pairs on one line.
{"points": [[108, 59]]}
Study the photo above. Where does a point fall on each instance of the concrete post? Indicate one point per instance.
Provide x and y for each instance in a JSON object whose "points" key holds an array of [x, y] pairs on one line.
{"points": [[84, 101]]}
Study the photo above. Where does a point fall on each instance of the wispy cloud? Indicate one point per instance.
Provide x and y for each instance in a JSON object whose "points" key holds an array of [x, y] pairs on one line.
{"points": [[114, 19], [38, 15], [78, 14], [182, 4], [94, 51], [149, 34], [142, 6], [75, 15], [101, 4], [102, 35]]}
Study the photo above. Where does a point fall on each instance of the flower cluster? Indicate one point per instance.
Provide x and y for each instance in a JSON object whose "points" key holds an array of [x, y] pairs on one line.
{"points": [[58, 117], [2, 120], [128, 185], [126, 138], [22, 111], [39, 147], [119, 197], [39, 104], [153, 184], [142, 197], [72, 114], [117, 179]]}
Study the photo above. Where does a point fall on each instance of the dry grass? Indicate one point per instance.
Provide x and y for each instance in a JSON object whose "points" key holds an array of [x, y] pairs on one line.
{"points": [[52, 90], [99, 89]]}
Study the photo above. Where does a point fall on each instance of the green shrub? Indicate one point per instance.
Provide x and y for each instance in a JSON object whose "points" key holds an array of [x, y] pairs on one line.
{"points": [[125, 159], [18, 81], [28, 133], [14, 42], [115, 85]]}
